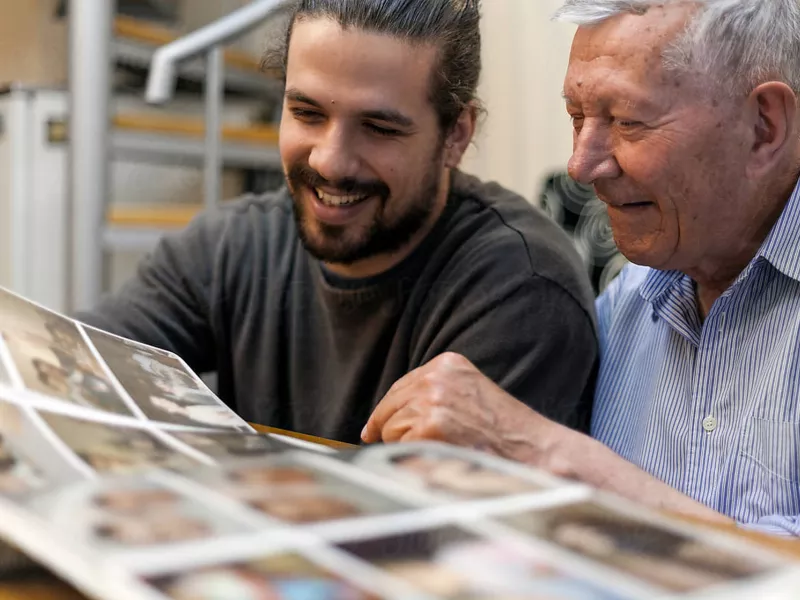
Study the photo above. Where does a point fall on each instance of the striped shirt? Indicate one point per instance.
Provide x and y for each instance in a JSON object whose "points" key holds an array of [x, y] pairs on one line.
{"points": [[710, 407]]}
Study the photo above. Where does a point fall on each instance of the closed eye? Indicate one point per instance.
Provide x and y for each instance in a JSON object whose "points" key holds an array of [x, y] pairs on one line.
{"points": [[385, 131], [305, 114]]}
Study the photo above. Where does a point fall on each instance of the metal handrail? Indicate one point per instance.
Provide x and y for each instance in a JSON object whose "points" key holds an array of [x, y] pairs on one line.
{"points": [[207, 40], [161, 80]]}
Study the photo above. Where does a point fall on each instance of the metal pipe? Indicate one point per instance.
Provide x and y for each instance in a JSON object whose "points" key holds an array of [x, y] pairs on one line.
{"points": [[161, 80], [214, 90], [90, 27]]}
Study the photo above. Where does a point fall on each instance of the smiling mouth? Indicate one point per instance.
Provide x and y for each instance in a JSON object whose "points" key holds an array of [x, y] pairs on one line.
{"points": [[336, 200], [634, 205]]}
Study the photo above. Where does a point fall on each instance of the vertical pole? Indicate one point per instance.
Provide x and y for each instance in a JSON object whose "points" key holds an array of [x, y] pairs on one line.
{"points": [[90, 60], [214, 92]]}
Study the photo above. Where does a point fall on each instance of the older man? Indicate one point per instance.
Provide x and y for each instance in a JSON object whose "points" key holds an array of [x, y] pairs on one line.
{"points": [[685, 121]]}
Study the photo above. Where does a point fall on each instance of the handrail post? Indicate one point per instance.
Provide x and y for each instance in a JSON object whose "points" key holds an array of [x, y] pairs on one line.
{"points": [[90, 63], [214, 94]]}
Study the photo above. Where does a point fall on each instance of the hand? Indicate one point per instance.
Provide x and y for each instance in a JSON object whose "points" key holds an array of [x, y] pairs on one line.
{"points": [[450, 400]]}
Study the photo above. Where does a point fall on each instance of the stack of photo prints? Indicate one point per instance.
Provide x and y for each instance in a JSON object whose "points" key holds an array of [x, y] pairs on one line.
{"points": [[121, 472]]}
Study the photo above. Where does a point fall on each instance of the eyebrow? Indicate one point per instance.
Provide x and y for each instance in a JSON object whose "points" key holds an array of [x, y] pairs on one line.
{"points": [[387, 115]]}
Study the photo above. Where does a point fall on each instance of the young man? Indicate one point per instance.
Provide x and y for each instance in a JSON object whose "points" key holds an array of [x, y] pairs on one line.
{"points": [[379, 254]]}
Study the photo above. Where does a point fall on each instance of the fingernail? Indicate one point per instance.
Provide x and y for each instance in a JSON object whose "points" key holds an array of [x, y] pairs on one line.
{"points": [[364, 433]]}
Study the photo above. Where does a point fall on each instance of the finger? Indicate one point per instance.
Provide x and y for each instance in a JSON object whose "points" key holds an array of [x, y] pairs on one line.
{"points": [[399, 425], [391, 403]]}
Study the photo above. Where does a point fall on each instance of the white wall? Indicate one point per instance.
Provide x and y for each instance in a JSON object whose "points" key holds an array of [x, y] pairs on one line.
{"points": [[527, 132]]}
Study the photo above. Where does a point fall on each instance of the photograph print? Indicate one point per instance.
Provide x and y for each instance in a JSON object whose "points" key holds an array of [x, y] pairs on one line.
{"points": [[447, 472], [115, 449], [282, 488], [161, 386], [224, 446], [148, 514], [451, 563], [52, 357], [649, 553], [280, 576], [19, 475]]}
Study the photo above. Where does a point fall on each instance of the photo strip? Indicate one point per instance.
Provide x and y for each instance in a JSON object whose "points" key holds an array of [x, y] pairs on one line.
{"points": [[31, 461], [282, 487], [52, 358], [227, 446], [19, 475], [139, 514], [161, 385], [452, 563], [5, 376], [115, 449], [279, 576], [446, 473], [638, 548]]}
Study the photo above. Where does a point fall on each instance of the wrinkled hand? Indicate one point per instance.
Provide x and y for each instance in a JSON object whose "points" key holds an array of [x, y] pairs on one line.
{"points": [[450, 400]]}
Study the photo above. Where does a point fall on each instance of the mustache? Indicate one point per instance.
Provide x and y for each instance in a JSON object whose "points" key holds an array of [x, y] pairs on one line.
{"points": [[301, 174]]}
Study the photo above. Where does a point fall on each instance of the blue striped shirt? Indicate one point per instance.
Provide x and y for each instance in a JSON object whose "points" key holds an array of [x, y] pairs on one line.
{"points": [[710, 407]]}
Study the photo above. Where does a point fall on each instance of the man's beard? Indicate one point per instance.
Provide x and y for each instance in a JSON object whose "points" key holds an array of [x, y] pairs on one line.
{"points": [[337, 244]]}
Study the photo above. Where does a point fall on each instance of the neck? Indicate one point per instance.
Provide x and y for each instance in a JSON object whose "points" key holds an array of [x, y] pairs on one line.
{"points": [[380, 263], [718, 271]]}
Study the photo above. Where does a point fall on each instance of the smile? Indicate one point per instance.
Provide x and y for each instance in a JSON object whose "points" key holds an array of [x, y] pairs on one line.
{"points": [[329, 199]]}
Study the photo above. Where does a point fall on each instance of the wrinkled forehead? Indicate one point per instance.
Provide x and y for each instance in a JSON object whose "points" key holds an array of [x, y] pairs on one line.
{"points": [[626, 51]]}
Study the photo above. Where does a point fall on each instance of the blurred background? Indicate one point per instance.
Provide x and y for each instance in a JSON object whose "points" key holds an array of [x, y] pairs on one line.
{"points": [[93, 171]]}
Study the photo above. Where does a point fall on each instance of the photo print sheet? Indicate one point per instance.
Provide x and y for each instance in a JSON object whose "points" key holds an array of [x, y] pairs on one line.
{"points": [[446, 473], [112, 449], [162, 386], [660, 557], [52, 358], [223, 446], [452, 563], [32, 460], [282, 575], [135, 514], [291, 490]]}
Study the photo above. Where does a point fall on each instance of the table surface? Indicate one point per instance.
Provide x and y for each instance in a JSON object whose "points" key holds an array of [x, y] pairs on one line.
{"points": [[40, 585]]}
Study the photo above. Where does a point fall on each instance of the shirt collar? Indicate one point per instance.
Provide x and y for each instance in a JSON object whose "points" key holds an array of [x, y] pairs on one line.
{"points": [[782, 246]]}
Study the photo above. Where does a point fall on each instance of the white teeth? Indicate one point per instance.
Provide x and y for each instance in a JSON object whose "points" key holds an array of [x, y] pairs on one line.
{"points": [[332, 200]]}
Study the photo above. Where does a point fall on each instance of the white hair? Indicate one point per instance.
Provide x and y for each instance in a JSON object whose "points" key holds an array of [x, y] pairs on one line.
{"points": [[738, 43]]}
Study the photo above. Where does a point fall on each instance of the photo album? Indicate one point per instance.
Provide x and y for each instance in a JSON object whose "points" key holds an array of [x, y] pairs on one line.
{"points": [[121, 472]]}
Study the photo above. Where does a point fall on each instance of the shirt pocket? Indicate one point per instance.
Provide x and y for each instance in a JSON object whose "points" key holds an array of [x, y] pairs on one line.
{"points": [[773, 447]]}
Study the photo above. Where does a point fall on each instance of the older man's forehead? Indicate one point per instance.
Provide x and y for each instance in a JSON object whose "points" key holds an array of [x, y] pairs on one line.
{"points": [[638, 39], [606, 84]]}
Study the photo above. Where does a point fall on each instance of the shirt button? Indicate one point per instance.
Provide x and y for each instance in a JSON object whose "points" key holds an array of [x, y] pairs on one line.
{"points": [[722, 322], [710, 423]]}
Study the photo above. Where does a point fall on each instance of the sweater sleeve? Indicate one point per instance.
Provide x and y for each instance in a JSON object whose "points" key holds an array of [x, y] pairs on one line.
{"points": [[533, 339], [166, 304]]}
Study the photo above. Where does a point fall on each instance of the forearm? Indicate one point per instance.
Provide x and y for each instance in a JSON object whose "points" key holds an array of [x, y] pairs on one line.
{"points": [[572, 455]]}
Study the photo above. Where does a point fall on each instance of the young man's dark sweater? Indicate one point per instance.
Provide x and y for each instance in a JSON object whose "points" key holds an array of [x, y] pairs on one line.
{"points": [[300, 348]]}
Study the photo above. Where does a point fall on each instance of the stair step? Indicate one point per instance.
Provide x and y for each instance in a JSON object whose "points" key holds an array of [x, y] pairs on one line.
{"points": [[158, 216], [187, 126]]}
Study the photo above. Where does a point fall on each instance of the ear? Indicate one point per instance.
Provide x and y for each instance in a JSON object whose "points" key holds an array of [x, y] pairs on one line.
{"points": [[457, 141], [771, 111]]}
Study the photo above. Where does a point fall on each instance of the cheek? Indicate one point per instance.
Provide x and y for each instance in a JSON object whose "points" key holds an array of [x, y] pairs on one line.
{"points": [[293, 143]]}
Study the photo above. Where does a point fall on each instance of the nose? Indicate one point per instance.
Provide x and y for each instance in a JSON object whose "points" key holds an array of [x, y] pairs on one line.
{"points": [[333, 155], [592, 155]]}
